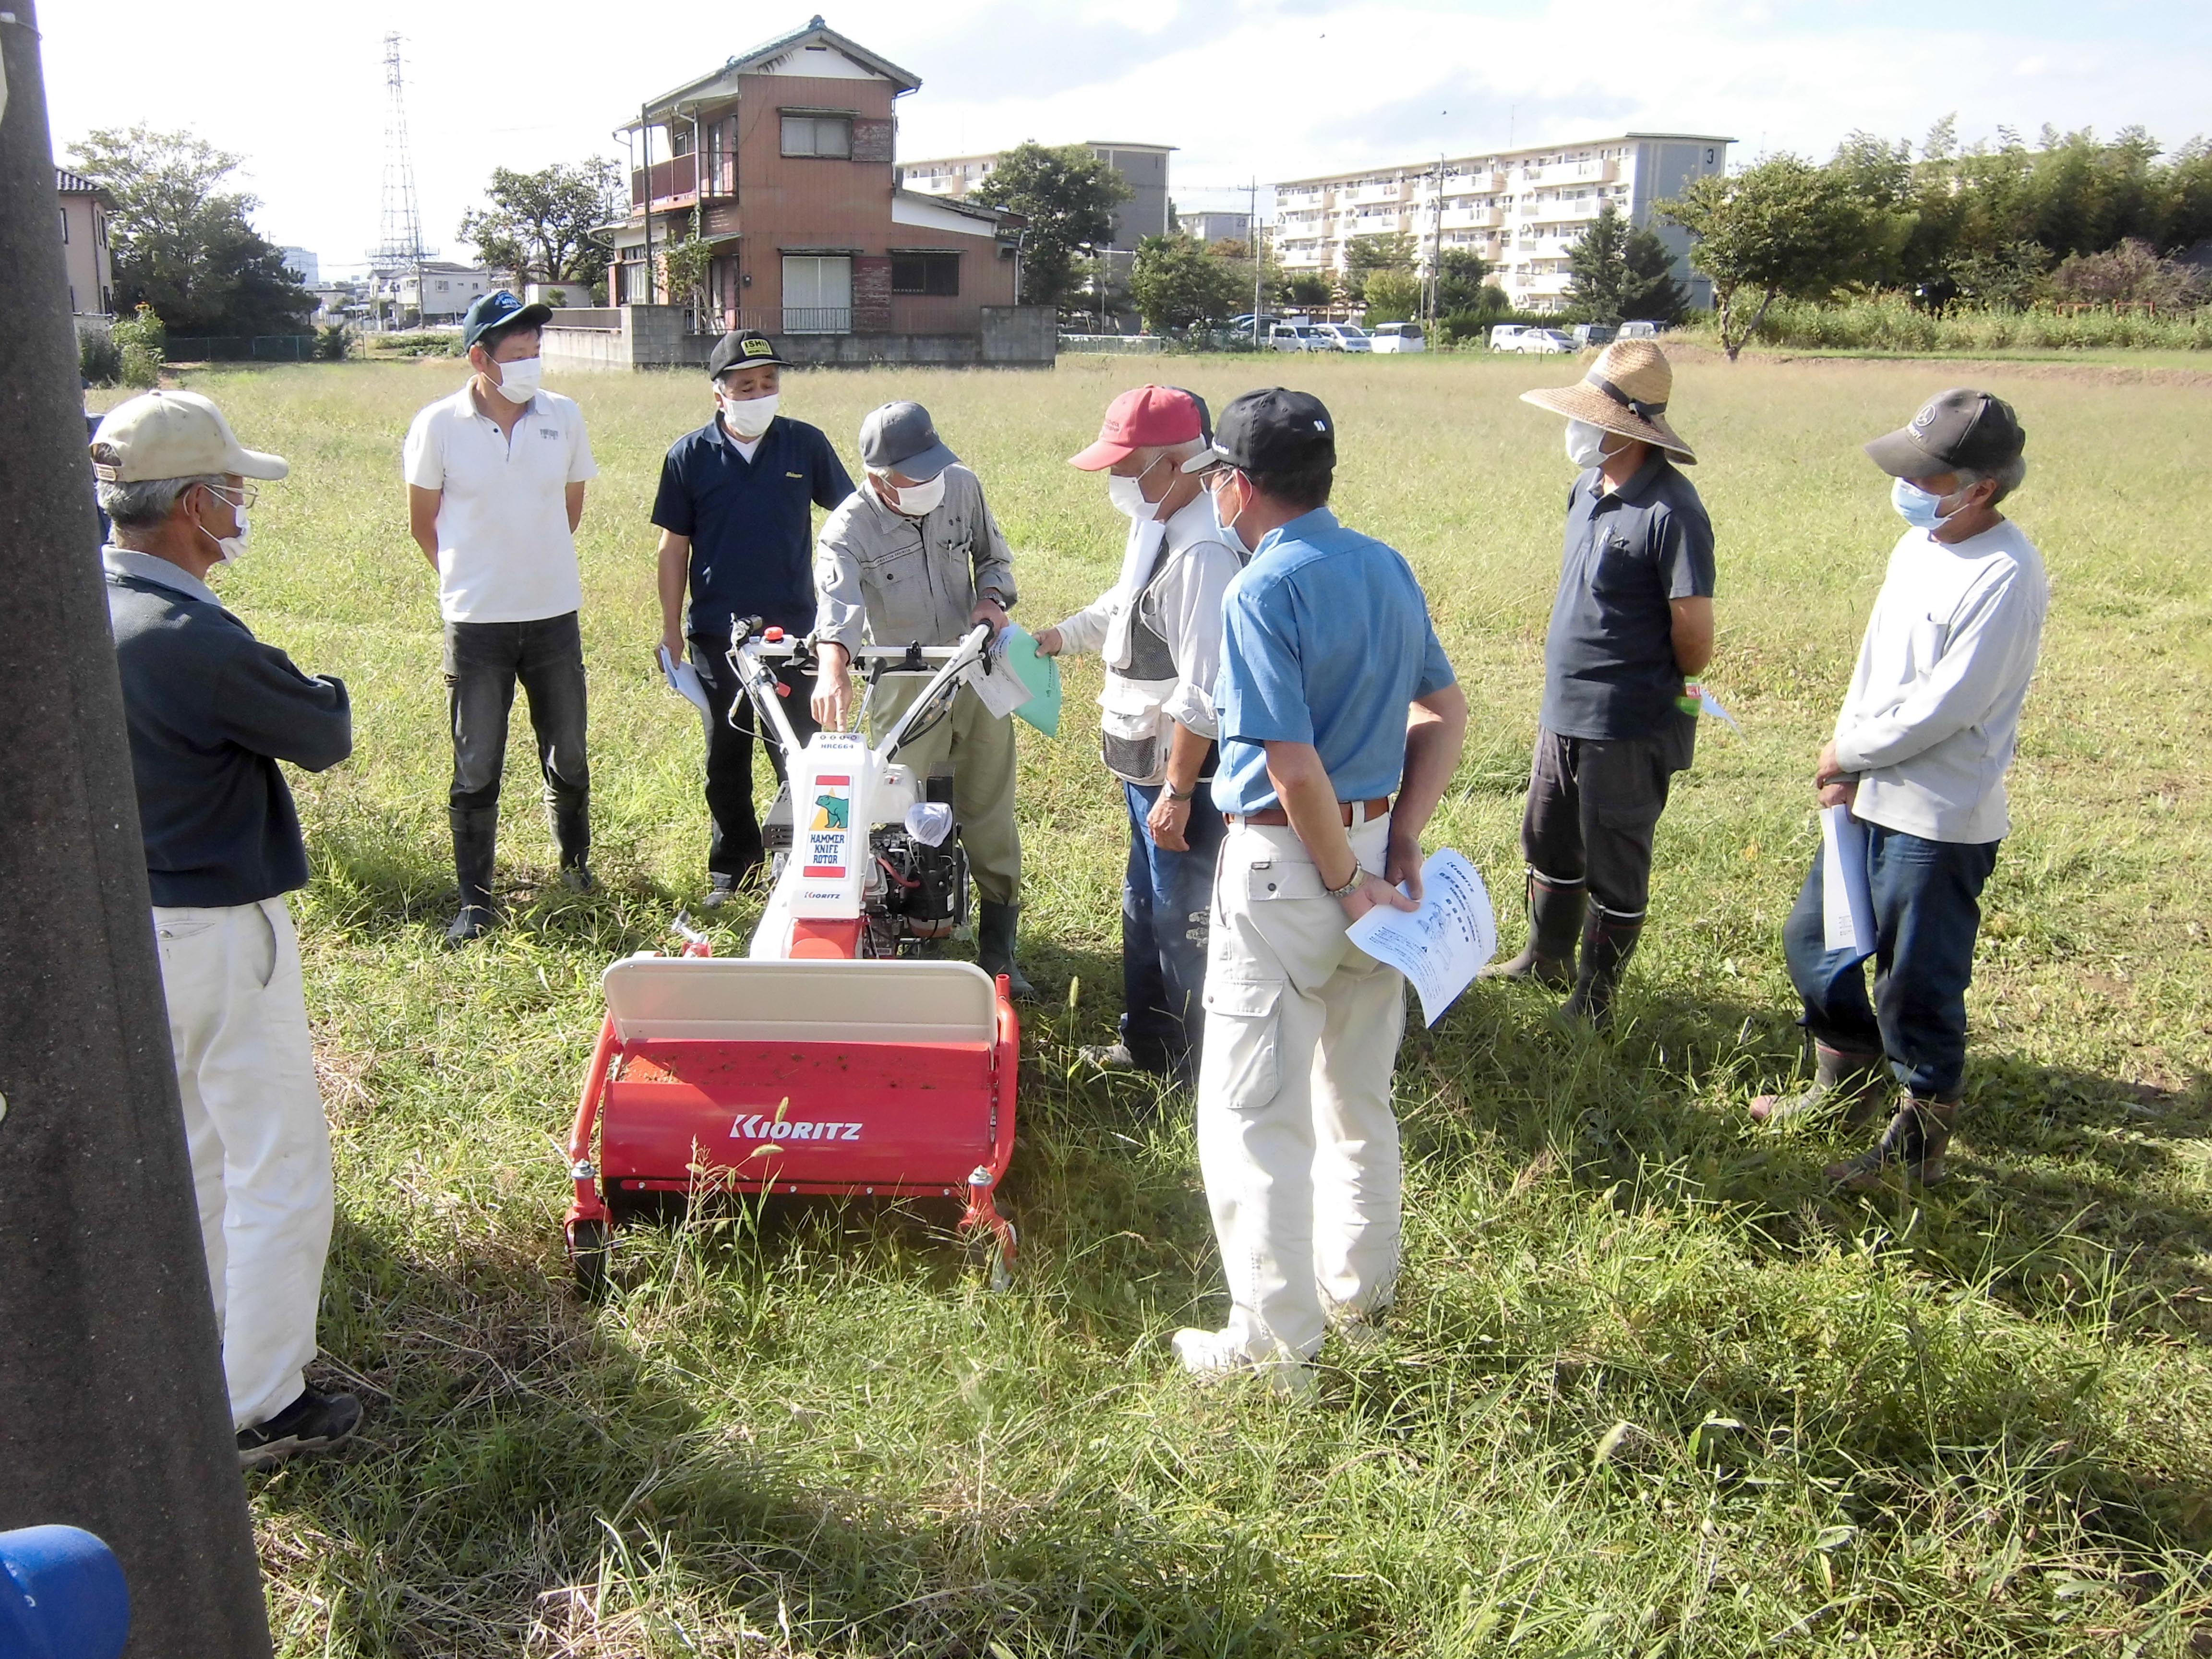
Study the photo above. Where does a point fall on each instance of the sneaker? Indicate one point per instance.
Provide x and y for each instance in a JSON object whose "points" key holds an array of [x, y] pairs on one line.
{"points": [[720, 889], [1217, 1356], [577, 878], [315, 1422], [1113, 1057]]}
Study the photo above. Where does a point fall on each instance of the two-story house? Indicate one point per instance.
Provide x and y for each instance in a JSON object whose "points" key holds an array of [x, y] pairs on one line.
{"points": [[84, 207], [781, 160]]}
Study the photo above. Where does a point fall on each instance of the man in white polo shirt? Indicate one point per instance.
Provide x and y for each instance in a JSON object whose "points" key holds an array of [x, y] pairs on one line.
{"points": [[495, 476]]}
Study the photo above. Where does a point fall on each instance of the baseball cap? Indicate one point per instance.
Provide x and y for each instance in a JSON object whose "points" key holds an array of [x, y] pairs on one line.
{"points": [[742, 349], [1271, 430], [173, 434], [1148, 417], [901, 437], [500, 309], [1961, 427]]}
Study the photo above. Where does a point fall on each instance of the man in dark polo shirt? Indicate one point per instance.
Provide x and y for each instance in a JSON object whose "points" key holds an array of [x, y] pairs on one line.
{"points": [[737, 530], [1634, 616]]}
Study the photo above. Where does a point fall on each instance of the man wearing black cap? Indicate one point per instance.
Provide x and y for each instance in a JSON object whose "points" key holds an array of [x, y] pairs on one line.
{"points": [[1334, 697], [495, 476], [737, 531], [1919, 755]]}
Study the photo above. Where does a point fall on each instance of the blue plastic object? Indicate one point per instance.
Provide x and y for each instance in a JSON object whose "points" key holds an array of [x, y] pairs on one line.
{"points": [[62, 1596]]}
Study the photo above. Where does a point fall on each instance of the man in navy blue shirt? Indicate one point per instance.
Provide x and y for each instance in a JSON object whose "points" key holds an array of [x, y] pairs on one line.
{"points": [[737, 530], [1334, 697], [1634, 616]]}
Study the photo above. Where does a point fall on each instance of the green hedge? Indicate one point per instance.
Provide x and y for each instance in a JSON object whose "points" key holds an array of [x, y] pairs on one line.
{"points": [[1893, 323]]}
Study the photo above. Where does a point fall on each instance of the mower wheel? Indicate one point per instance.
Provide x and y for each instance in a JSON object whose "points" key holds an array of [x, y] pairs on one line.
{"points": [[587, 1254]]}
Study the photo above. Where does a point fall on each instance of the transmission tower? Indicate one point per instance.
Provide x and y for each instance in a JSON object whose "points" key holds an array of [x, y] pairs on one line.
{"points": [[401, 244]]}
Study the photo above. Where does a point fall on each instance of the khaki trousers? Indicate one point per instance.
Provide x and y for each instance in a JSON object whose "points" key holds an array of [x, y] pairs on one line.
{"points": [[978, 750], [1296, 1136], [260, 1150]]}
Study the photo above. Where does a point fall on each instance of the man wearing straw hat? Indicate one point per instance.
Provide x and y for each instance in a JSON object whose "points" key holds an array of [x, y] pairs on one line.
{"points": [[1633, 616]]}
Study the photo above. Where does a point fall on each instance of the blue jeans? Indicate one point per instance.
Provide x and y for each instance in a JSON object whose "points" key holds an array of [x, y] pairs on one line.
{"points": [[1167, 900], [1927, 910]]}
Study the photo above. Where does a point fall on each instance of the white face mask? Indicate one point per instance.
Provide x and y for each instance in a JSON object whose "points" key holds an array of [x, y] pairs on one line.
{"points": [[519, 380], [228, 548], [1586, 444], [915, 501], [748, 417], [1127, 495], [1229, 525]]}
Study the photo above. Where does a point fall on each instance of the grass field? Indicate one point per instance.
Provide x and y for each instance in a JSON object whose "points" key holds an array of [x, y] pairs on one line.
{"points": [[1647, 1388]]}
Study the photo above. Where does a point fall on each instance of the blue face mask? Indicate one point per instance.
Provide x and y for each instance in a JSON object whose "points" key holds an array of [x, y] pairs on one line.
{"points": [[1918, 508]]}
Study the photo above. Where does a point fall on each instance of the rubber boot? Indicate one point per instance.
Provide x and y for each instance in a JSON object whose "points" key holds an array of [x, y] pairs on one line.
{"points": [[1609, 941], [1854, 1079], [476, 839], [1914, 1145], [572, 834], [1555, 922], [994, 948]]}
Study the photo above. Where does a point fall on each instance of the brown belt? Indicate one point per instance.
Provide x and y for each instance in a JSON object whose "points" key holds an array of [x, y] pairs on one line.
{"points": [[1275, 818]]}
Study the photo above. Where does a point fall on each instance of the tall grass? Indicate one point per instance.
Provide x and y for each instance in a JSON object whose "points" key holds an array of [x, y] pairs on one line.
{"points": [[1892, 322], [1648, 1390]]}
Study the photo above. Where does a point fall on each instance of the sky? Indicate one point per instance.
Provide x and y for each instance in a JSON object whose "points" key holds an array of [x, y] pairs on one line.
{"points": [[1244, 88]]}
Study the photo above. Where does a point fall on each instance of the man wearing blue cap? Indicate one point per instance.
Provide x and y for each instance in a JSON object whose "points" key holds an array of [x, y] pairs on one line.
{"points": [[495, 476], [914, 555]]}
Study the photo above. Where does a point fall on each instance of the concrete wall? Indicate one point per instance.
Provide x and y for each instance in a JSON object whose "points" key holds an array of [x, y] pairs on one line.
{"points": [[652, 337]]}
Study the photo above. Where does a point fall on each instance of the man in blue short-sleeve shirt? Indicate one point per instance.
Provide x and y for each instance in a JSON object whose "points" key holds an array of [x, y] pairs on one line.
{"points": [[1634, 616], [735, 511], [1333, 696]]}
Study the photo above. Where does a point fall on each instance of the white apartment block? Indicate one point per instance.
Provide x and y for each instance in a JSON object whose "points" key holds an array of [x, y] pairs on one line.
{"points": [[1519, 209], [1143, 168]]}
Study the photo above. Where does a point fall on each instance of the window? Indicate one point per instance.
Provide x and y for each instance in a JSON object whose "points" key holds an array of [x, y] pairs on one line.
{"points": [[926, 273], [65, 225], [817, 294], [829, 136]]}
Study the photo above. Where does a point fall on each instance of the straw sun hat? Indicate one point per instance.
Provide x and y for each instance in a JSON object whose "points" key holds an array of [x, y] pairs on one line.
{"points": [[1624, 392]]}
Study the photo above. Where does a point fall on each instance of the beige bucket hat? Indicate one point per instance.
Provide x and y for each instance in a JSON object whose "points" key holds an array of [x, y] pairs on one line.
{"points": [[173, 434], [1624, 392]]}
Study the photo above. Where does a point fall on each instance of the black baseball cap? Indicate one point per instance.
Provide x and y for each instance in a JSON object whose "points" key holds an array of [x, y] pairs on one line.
{"points": [[742, 349], [498, 310], [1271, 430], [1961, 427]]}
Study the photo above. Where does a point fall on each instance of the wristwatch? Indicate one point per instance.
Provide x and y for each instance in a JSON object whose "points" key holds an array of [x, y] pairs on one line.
{"points": [[1190, 794], [1350, 885]]}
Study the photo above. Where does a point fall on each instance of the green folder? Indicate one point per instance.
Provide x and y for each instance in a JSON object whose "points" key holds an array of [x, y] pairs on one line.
{"points": [[1039, 674]]}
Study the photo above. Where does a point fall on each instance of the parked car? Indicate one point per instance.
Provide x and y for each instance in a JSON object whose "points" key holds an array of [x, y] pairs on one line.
{"points": [[1540, 342], [1341, 336], [1504, 334], [1594, 334], [1397, 337], [1639, 330], [1242, 323], [1294, 335]]}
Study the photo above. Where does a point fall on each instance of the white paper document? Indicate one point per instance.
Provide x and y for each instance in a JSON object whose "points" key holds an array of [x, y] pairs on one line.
{"points": [[997, 687], [683, 677], [1441, 946], [1847, 908], [1710, 704]]}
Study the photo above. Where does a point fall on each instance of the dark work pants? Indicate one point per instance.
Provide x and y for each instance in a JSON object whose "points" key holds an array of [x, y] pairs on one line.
{"points": [[735, 848], [1167, 901], [483, 660], [1927, 911], [1594, 805]]}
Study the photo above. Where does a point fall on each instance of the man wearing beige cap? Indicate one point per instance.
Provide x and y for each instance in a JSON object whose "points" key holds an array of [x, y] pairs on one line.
{"points": [[1633, 616], [211, 711]]}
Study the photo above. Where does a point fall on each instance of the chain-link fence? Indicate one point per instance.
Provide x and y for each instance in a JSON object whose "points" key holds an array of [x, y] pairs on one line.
{"points": [[242, 348]]}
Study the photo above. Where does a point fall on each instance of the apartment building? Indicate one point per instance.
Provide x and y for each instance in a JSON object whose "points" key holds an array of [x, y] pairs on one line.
{"points": [[1519, 209], [1210, 227], [1143, 168], [85, 252]]}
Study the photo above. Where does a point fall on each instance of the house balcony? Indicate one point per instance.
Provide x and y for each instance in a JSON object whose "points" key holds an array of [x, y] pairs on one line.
{"points": [[683, 180]]}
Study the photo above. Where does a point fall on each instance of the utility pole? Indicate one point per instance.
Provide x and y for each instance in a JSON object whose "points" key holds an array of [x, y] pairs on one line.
{"points": [[1259, 255], [113, 1415], [644, 140], [1436, 295]]}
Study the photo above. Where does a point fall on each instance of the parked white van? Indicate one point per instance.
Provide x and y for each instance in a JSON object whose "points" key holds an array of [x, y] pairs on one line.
{"points": [[1397, 337]]}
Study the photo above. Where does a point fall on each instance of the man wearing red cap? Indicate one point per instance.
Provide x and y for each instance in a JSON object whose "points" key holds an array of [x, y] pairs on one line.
{"points": [[1159, 629]]}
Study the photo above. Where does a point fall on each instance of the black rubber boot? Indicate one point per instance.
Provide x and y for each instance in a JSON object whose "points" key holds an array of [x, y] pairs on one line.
{"points": [[476, 839], [994, 948], [1555, 922], [572, 834], [1609, 941], [1854, 1079], [1913, 1145]]}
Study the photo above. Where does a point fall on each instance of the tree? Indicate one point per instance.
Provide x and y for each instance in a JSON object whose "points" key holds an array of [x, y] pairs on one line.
{"points": [[1068, 195], [2129, 274], [1616, 273], [1308, 288], [1459, 277], [539, 224], [1392, 296], [1783, 228], [1364, 255], [1177, 282], [181, 242]]}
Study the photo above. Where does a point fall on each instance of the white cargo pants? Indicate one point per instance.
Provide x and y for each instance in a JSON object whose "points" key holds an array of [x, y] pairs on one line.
{"points": [[1296, 1136], [260, 1150]]}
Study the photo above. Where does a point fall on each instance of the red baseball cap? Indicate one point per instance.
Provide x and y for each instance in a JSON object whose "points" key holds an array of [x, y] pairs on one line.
{"points": [[1145, 418]]}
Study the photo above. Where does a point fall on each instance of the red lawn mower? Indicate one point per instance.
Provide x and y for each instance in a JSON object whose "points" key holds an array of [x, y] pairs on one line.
{"points": [[836, 1057]]}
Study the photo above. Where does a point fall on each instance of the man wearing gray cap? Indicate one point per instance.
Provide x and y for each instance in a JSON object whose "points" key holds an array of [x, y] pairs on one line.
{"points": [[210, 712], [914, 556], [1919, 755]]}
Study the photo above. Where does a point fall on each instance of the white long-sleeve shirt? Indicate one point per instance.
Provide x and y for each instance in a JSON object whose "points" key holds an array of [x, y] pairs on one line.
{"points": [[1933, 714], [1181, 603]]}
